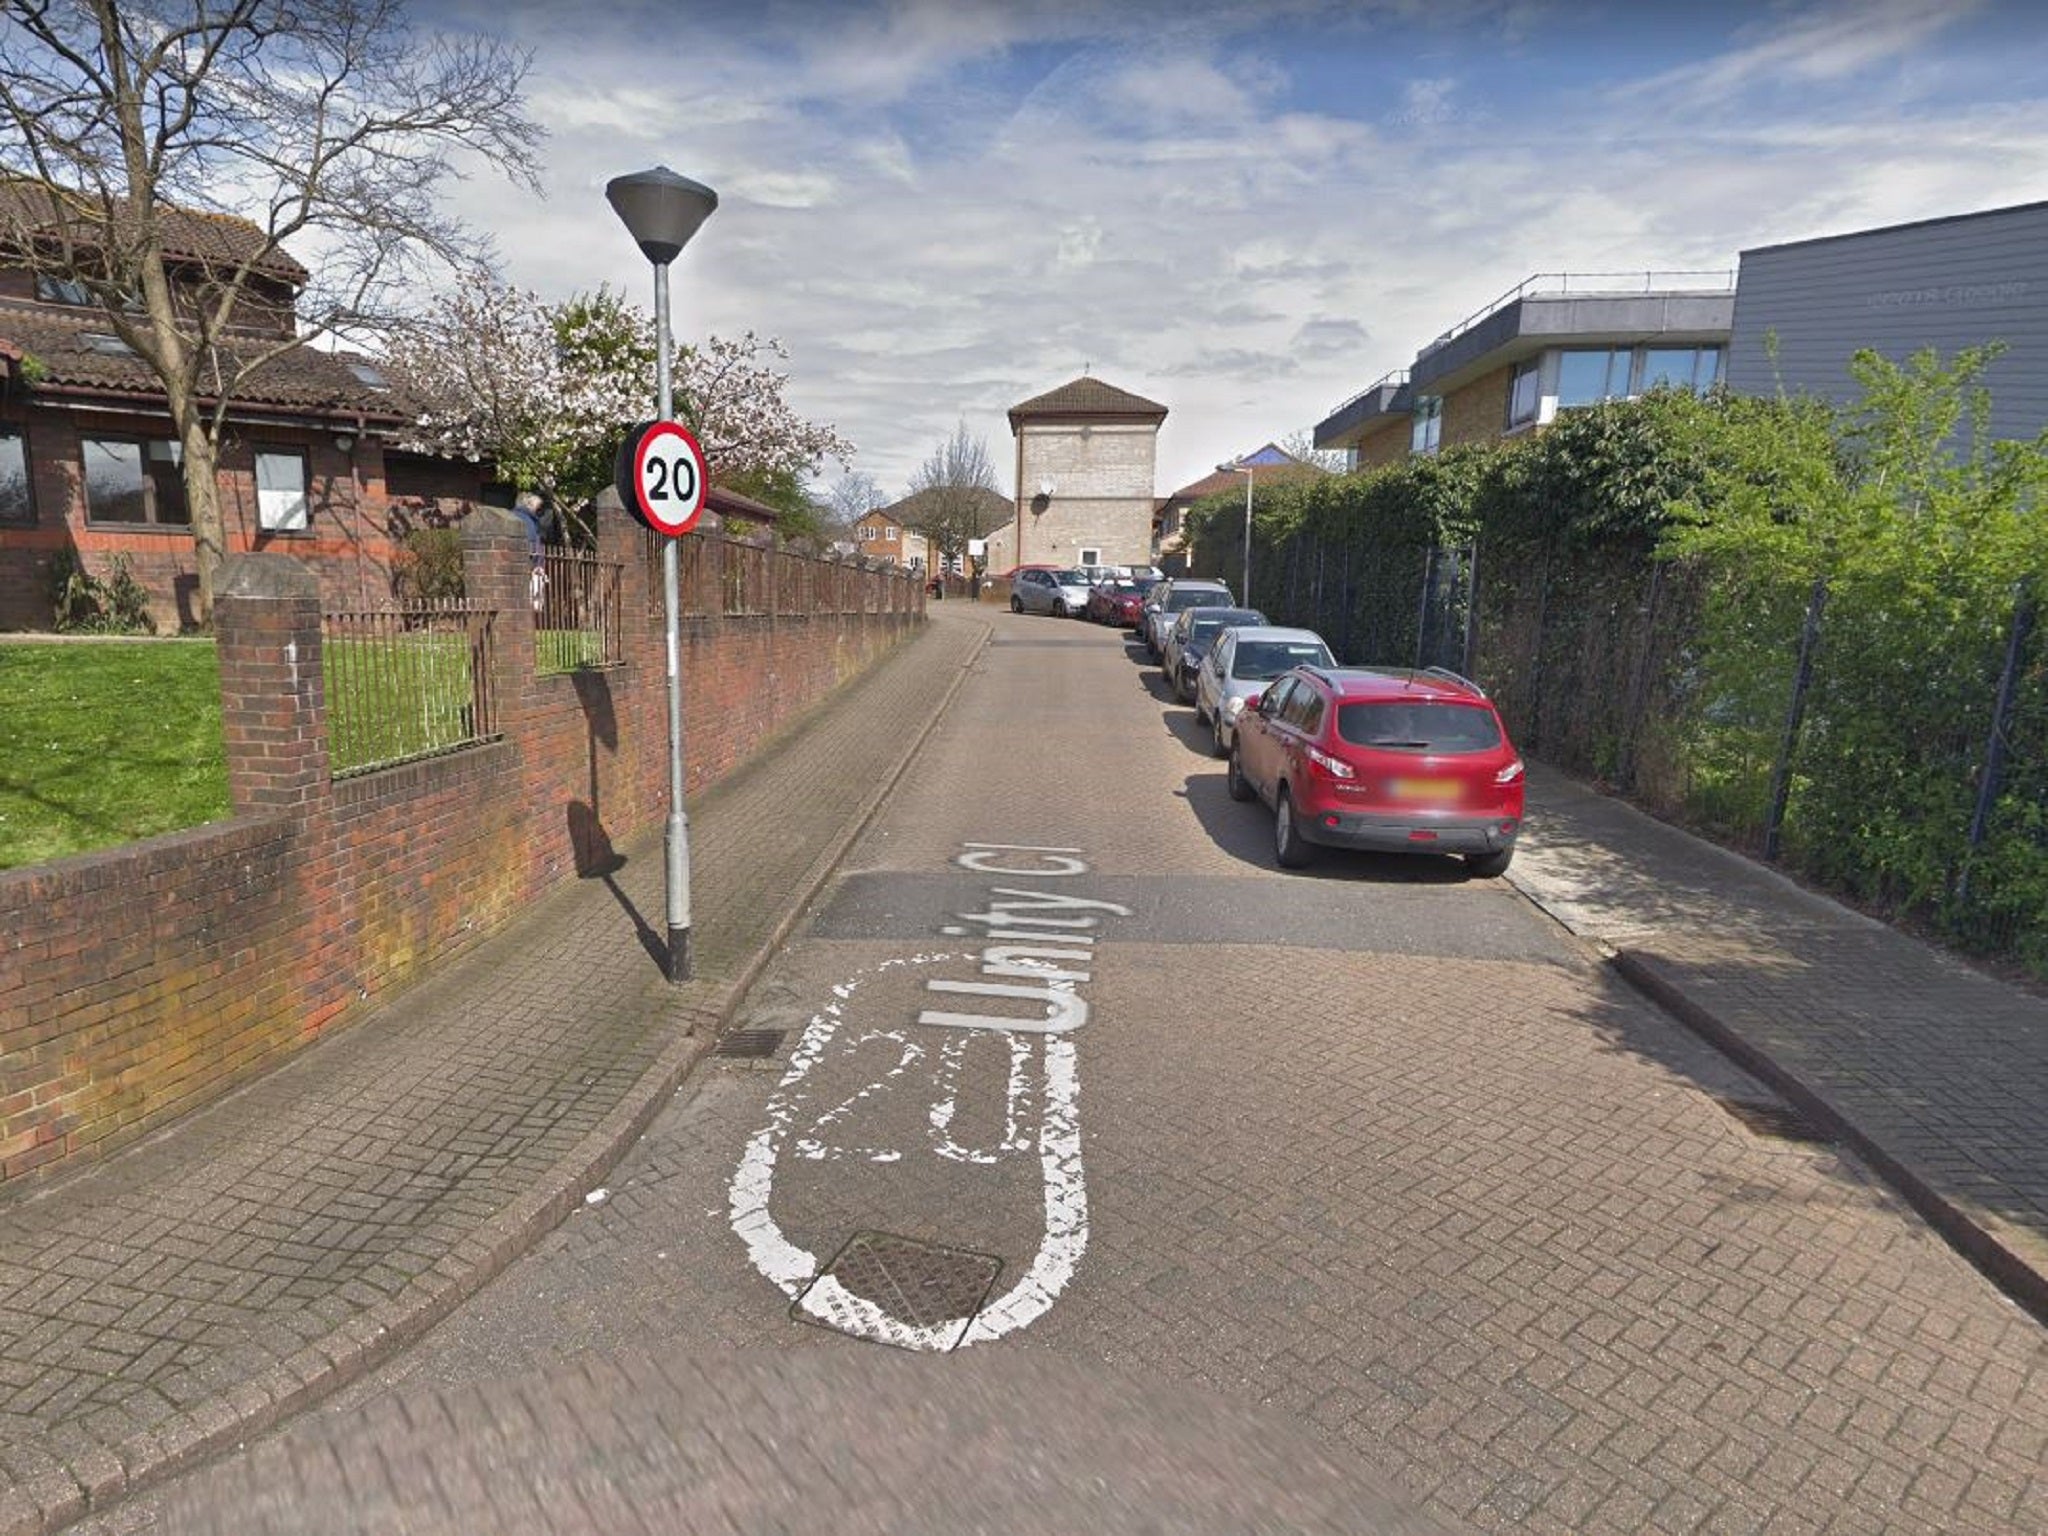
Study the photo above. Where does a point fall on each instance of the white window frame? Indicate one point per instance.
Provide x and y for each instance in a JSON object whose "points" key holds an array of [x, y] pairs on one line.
{"points": [[284, 508], [1426, 425]]}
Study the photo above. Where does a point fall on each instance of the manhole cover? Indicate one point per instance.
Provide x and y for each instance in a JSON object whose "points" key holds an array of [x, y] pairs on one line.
{"points": [[750, 1044], [923, 1285], [1778, 1121]]}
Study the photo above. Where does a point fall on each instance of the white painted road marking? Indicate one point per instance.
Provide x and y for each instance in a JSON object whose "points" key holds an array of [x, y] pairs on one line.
{"points": [[1040, 942]]}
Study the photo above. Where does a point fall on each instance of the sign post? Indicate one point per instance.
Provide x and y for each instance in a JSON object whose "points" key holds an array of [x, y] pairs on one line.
{"points": [[661, 211]]}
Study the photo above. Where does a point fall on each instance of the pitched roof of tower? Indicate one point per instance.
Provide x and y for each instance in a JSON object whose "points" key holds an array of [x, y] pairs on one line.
{"points": [[1085, 398]]}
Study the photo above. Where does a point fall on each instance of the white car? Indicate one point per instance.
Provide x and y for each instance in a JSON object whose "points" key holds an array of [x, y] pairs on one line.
{"points": [[1240, 665], [1047, 589]]}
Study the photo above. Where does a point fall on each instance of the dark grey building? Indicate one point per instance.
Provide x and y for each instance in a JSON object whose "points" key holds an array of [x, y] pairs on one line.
{"points": [[1945, 283]]}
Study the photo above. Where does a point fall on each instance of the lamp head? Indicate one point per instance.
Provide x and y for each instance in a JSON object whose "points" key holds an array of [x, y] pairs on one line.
{"points": [[661, 210]]}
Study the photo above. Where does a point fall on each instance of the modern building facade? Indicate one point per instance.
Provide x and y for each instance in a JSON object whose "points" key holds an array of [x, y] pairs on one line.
{"points": [[1087, 453], [1944, 283], [1554, 341]]}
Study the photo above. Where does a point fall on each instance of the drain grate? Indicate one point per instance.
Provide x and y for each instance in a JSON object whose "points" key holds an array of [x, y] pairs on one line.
{"points": [[1778, 1121], [750, 1044], [919, 1284]]}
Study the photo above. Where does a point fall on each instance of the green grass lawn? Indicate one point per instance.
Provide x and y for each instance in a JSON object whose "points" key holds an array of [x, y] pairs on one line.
{"points": [[106, 741]]}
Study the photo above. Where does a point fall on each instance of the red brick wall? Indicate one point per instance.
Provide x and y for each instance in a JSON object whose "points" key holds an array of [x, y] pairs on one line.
{"points": [[139, 983]]}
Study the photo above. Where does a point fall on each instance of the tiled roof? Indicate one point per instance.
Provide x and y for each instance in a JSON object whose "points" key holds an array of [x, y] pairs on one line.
{"points": [[1087, 396], [1264, 472], [729, 503], [304, 379], [994, 507], [214, 239]]}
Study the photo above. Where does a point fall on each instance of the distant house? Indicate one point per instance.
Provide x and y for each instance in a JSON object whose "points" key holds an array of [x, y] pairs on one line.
{"points": [[89, 462], [971, 511], [1945, 283], [1086, 458], [881, 535], [1268, 466], [1552, 342]]}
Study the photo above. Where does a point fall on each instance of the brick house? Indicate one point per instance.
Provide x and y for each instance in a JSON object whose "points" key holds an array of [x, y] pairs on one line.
{"points": [[89, 460], [1086, 456], [881, 535], [1271, 465], [1554, 341]]}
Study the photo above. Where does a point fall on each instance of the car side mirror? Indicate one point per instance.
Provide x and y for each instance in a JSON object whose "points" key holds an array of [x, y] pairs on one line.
{"points": [[1254, 702]]}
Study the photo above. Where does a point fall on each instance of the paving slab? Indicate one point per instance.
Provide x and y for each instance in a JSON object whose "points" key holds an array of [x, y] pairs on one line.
{"points": [[229, 1271], [1935, 1072]]}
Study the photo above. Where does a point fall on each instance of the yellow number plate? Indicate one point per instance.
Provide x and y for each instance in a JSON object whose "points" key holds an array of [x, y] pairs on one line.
{"points": [[1437, 790]]}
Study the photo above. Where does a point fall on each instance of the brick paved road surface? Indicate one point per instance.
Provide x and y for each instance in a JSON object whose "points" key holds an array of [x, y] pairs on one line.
{"points": [[1379, 1149], [1944, 1069], [267, 1248]]}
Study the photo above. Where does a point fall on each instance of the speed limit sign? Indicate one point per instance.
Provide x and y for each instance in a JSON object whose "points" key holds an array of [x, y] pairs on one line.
{"points": [[661, 477]]}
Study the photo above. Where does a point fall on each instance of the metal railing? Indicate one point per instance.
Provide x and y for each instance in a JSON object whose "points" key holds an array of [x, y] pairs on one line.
{"points": [[406, 683], [1618, 284], [576, 612], [1393, 376]]}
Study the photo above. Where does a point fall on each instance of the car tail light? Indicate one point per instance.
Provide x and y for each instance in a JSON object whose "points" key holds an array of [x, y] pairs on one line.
{"points": [[1509, 774], [1335, 767]]}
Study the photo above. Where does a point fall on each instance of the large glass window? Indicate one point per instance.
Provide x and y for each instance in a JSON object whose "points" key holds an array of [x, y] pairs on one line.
{"points": [[129, 480], [281, 490], [1525, 394], [1425, 430], [1585, 375], [16, 505]]}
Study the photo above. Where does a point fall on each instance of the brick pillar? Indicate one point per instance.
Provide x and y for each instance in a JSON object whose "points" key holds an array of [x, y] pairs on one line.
{"points": [[266, 621], [497, 573]]}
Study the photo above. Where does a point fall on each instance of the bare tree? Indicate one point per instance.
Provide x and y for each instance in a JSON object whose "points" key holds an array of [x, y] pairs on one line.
{"points": [[953, 495], [1301, 444], [329, 122], [856, 495]]}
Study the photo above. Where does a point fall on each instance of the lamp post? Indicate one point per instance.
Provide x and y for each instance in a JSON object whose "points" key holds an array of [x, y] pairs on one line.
{"points": [[661, 211], [1239, 467]]}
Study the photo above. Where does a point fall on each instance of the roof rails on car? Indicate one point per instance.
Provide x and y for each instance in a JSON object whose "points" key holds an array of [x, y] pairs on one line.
{"points": [[1461, 681]]}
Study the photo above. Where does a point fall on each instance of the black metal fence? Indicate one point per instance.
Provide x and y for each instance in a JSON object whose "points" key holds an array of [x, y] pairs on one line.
{"points": [[405, 683], [576, 612], [1911, 778]]}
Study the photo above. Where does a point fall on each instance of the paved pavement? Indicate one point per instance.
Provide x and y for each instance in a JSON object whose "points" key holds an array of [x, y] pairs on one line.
{"points": [[1421, 1188], [222, 1275], [1933, 1071]]}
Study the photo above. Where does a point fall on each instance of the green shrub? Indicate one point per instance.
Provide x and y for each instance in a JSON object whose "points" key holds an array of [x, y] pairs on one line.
{"points": [[428, 566], [82, 603]]}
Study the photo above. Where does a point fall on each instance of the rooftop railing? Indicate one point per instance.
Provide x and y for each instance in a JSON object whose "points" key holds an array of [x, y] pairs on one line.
{"points": [[1606, 284], [1393, 376]]}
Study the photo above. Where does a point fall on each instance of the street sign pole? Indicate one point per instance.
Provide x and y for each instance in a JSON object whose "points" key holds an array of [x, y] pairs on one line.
{"points": [[677, 843]]}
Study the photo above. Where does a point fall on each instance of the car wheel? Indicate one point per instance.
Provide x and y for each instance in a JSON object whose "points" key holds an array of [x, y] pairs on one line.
{"points": [[1289, 846], [1059, 608], [1016, 605], [1216, 731], [1490, 866], [1233, 777], [1181, 690]]}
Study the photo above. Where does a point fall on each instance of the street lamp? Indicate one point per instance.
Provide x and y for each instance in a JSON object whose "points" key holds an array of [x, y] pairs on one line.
{"points": [[661, 211], [1240, 467]]}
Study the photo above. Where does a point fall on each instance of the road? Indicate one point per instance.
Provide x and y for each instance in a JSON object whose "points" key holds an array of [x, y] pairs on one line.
{"points": [[1374, 1153]]}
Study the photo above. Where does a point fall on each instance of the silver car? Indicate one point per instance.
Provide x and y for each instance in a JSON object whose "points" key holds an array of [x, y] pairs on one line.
{"points": [[1043, 589], [1241, 664], [1164, 603], [1188, 642]]}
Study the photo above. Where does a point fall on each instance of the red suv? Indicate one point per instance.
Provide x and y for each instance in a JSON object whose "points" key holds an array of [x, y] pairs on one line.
{"points": [[1388, 759]]}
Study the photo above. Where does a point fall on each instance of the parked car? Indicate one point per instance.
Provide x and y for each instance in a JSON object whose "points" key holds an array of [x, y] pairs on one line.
{"points": [[1188, 642], [1389, 759], [1164, 603], [1116, 602], [1048, 589], [1240, 665]]}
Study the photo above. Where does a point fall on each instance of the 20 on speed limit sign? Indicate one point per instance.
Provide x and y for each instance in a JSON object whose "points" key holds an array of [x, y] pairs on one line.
{"points": [[661, 477]]}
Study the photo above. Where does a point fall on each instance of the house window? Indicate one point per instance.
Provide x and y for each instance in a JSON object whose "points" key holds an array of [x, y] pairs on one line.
{"points": [[1586, 376], [281, 490], [130, 480], [1693, 368], [52, 289], [106, 344], [15, 505], [1525, 394], [867, 533], [888, 533], [1091, 557], [1425, 430]]}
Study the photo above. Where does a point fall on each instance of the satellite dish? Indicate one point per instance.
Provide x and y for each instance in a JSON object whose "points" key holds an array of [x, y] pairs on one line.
{"points": [[1045, 486]]}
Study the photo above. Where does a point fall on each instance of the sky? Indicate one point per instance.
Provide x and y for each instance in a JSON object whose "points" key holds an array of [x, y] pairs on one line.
{"points": [[1244, 211]]}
